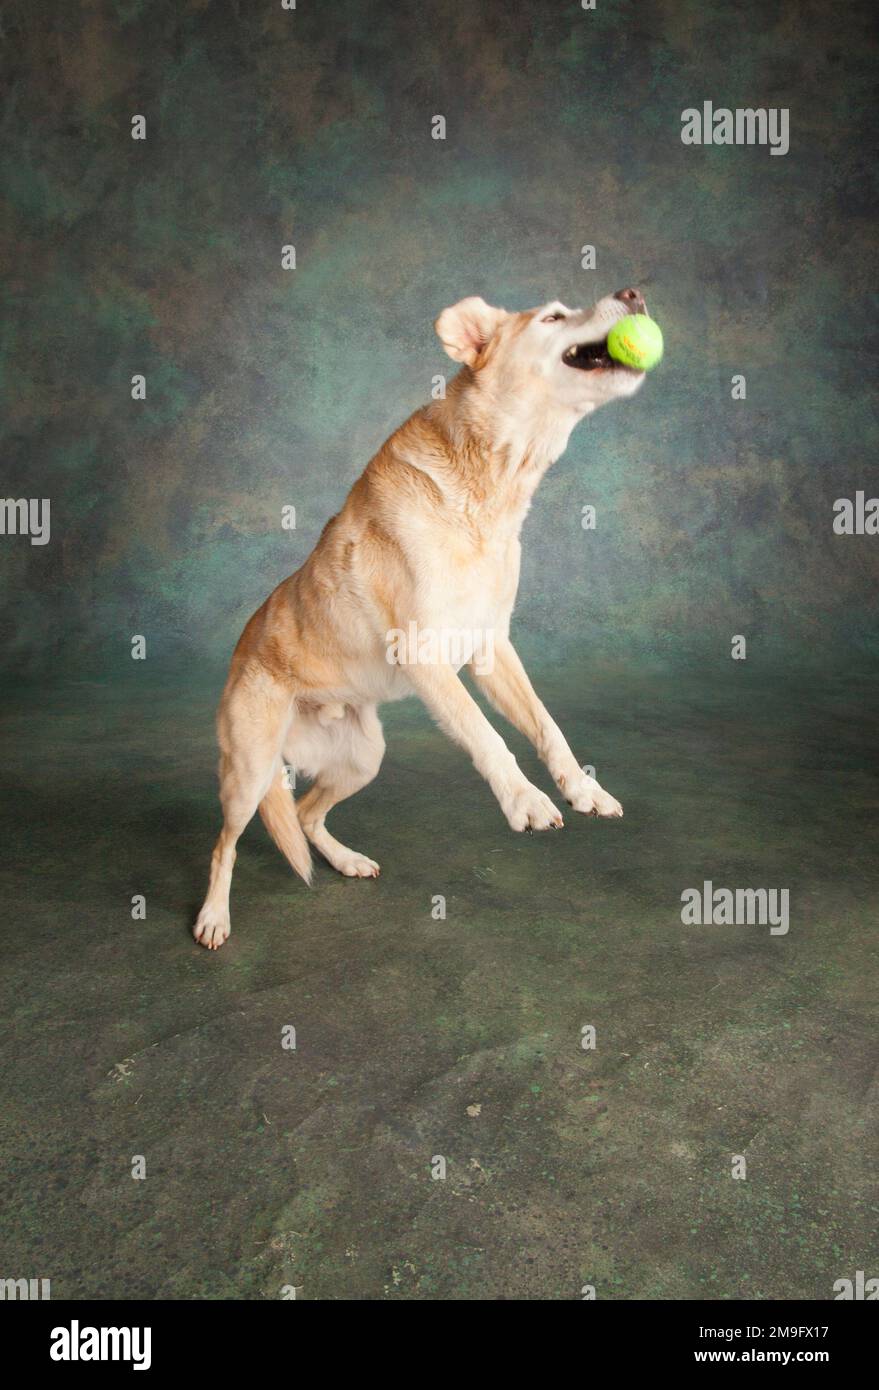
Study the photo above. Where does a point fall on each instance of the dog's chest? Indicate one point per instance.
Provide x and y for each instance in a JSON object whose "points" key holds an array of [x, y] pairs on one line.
{"points": [[479, 581]]}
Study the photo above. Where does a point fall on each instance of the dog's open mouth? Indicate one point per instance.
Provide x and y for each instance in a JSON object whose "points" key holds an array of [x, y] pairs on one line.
{"points": [[588, 357]]}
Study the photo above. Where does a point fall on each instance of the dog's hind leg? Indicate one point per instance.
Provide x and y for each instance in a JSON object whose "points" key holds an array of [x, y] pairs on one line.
{"points": [[252, 724], [343, 752]]}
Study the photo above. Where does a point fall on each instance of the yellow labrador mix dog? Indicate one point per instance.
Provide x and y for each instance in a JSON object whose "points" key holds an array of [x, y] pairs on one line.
{"points": [[427, 543]]}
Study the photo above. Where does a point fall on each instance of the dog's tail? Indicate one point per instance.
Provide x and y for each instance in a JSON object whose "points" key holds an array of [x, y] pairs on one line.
{"points": [[278, 811]]}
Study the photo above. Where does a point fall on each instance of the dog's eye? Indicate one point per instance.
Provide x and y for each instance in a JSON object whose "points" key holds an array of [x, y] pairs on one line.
{"points": [[552, 318]]}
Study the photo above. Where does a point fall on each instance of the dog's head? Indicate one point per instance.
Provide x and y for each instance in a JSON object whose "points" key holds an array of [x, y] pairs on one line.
{"points": [[553, 356]]}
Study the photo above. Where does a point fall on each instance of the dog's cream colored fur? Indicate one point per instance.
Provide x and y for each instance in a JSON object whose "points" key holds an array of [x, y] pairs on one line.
{"points": [[429, 534]]}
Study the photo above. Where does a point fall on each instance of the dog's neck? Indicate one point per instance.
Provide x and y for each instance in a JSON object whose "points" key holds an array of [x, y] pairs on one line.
{"points": [[496, 452]]}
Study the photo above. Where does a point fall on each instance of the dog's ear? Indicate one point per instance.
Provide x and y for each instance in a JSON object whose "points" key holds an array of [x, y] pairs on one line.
{"points": [[466, 327]]}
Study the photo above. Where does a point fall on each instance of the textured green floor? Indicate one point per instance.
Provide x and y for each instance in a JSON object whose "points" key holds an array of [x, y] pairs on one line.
{"points": [[267, 1167]]}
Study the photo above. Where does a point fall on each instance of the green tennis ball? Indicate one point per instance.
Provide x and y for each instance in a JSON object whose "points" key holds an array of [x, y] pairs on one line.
{"points": [[636, 341]]}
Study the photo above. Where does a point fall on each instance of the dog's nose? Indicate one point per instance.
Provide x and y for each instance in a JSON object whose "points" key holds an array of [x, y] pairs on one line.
{"points": [[633, 300]]}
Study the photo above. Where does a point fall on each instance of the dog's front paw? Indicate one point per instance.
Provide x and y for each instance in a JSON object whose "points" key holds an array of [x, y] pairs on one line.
{"points": [[588, 797], [526, 808]]}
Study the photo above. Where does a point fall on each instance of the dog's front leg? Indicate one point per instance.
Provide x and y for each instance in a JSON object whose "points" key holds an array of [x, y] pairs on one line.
{"points": [[459, 716], [511, 692]]}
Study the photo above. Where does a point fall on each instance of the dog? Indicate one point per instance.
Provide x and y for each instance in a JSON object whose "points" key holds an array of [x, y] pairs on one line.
{"points": [[427, 543]]}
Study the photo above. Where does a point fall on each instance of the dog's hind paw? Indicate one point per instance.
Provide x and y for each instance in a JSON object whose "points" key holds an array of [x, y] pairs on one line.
{"points": [[354, 865], [212, 928]]}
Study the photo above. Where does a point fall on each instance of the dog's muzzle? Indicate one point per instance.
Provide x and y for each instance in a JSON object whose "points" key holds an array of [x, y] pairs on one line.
{"points": [[588, 357]]}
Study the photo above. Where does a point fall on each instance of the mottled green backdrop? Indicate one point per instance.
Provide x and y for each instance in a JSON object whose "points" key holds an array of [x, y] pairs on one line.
{"points": [[269, 387], [460, 1036]]}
